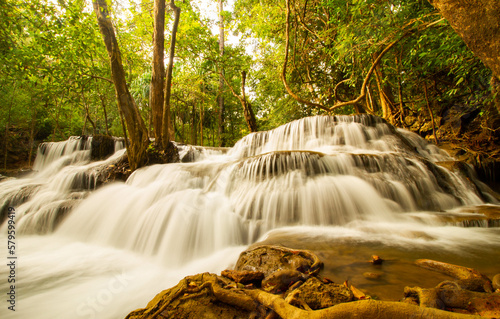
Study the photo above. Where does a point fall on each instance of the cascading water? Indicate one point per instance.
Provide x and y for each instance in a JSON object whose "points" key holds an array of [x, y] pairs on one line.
{"points": [[351, 179]]}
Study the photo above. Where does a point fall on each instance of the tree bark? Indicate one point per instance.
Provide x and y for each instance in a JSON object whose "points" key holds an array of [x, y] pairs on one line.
{"points": [[247, 107], [7, 126], [222, 140], [193, 124], [385, 94], [156, 96], [430, 114], [32, 132], [478, 23], [166, 121], [87, 114], [139, 140]]}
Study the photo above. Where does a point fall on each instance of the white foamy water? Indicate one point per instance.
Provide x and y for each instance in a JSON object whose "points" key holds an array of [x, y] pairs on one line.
{"points": [[103, 253]]}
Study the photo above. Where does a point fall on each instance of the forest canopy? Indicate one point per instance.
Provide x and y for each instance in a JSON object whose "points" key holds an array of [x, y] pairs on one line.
{"points": [[400, 60]]}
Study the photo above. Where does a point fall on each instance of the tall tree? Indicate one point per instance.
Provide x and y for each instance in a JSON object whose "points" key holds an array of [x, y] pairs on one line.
{"points": [[166, 122], [222, 141], [136, 128], [245, 104], [156, 95]]}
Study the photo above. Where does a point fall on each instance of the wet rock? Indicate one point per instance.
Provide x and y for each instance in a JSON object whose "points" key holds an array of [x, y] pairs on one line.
{"points": [[496, 282], [102, 147], [157, 155], [376, 260], [119, 171], [279, 281], [269, 259], [244, 276], [317, 295], [471, 216]]}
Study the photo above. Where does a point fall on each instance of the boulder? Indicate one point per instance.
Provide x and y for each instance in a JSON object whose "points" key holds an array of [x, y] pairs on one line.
{"points": [[102, 147]]}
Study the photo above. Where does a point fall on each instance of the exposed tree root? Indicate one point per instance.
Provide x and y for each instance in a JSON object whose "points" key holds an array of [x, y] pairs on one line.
{"points": [[356, 309], [448, 295], [468, 278], [189, 288], [211, 296]]}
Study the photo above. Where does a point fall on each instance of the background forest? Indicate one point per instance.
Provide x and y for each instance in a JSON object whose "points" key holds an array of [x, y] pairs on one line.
{"points": [[300, 58]]}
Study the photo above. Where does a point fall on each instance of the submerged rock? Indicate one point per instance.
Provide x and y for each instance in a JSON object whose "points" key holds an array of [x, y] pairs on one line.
{"points": [[372, 275]]}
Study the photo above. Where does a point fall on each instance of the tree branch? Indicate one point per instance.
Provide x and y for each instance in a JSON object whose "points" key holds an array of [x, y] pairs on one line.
{"points": [[283, 73]]}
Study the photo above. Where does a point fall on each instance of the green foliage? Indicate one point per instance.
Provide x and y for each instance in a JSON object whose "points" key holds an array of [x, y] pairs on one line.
{"points": [[53, 64], [337, 41]]}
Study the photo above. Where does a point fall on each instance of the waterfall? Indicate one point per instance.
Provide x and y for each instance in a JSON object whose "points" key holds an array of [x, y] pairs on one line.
{"points": [[63, 176], [353, 178]]}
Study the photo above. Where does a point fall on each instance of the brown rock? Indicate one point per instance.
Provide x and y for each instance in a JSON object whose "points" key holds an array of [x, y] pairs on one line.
{"points": [[496, 282], [281, 280], [376, 260], [243, 276], [268, 259], [317, 295]]}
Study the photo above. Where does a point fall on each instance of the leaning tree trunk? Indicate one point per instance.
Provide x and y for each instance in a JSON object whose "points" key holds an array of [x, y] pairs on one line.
{"points": [[136, 128], [478, 23], [156, 96], [247, 107], [165, 137]]}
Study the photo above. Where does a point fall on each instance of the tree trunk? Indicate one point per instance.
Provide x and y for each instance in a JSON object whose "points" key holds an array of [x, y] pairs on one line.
{"points": [[385, 94], [87, 114], [247, 107], [222, 140], [166, 122], [201, 113], [84, 126], [136, 128], [430, 114], [7, 125], [193, 125], [478, 23], [32, 132], [156, 96]]}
